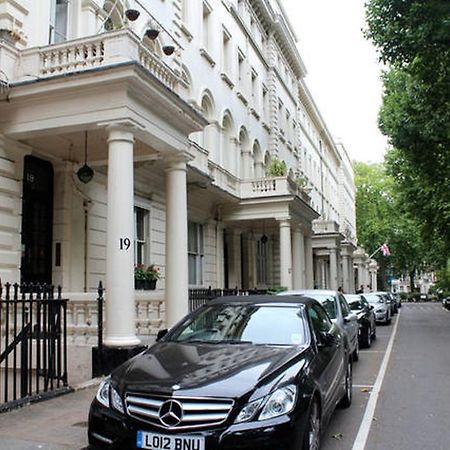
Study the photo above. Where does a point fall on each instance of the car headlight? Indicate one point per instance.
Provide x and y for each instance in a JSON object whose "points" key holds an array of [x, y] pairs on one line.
{"points": [[248, 411], [103, 392], [116, 401], [106, 392], [280, 402]]}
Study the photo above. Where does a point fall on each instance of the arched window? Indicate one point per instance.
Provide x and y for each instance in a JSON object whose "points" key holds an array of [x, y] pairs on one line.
{"points": [[228, 146], [258, 162], [245, 154]]}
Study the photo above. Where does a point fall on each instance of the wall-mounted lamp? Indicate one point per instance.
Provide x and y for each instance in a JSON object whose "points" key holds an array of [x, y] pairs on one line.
{"points": [[132, 14], [85, 173]]}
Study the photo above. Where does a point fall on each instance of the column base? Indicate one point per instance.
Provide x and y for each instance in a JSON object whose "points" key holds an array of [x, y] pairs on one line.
{"points": [[106, 359]]}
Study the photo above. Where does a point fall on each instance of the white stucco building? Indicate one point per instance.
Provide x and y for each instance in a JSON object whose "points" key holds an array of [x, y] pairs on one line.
{"points": [[182, 146]]}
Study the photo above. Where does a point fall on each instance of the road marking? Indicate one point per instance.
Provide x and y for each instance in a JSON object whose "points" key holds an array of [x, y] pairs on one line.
{"points": [[363, 432]]}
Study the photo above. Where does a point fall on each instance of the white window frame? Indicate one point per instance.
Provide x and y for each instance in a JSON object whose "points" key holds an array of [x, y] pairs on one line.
{"points": [[57, 18], [197, 254], [145, 241]]}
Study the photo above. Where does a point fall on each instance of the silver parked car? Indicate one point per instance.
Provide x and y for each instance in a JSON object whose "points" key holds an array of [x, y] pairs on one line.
{"points": [[339, 311], [382, 309]]}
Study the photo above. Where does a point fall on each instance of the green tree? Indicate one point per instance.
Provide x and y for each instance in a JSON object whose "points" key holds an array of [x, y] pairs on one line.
{"points": [[413, 39], [380, 217]]}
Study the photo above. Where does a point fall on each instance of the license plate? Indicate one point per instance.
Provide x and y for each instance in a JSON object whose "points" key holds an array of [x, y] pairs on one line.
{"points": [[156, 441]]}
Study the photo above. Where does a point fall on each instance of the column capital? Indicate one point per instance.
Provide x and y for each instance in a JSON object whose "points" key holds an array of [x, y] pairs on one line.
{"points": [[177, 161], [284, 222]]}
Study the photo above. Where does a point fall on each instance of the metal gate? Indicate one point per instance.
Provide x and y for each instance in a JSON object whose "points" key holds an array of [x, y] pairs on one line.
{"points": [[33, 343]]}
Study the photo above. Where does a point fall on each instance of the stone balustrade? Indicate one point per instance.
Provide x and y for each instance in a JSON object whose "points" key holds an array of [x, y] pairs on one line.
{"points": [[106, 49], [82, 315], [273, 186]]}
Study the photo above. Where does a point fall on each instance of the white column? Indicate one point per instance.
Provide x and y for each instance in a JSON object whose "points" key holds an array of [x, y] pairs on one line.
{"points": [[346, 275], [373, 280], [333, 269], [323, 274], [219, 256], [299, 259], [177, 294], [120, 305], [309, 260], [285, 254]]}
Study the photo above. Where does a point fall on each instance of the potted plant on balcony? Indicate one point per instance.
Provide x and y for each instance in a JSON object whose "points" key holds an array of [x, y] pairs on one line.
{"points": [[146, 277], [276, 168]]}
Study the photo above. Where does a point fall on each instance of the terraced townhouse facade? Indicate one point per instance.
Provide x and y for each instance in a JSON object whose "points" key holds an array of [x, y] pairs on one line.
{"points": [[183, 148]]}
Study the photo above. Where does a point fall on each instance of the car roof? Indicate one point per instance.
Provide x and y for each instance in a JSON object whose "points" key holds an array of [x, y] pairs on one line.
{"points": [[307, 292], [258, 299]]}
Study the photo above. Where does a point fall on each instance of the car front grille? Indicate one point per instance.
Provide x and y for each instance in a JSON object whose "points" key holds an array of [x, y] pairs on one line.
{"points": [[196, 412]]}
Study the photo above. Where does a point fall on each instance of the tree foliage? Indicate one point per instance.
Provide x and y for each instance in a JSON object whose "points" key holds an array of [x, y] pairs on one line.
{"points": [[413, 38], [380, 217]]}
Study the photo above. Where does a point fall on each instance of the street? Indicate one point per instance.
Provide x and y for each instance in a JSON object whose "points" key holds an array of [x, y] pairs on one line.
{"points": [[401, 392]]}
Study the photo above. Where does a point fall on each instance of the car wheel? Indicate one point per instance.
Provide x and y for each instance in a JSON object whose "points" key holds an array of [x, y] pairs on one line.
{"points": [[311, 439], [367, 338], [346, 400], [355, 355]]}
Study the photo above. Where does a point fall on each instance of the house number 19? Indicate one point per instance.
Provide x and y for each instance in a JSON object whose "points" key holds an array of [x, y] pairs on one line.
{"points": [[124, 243]]}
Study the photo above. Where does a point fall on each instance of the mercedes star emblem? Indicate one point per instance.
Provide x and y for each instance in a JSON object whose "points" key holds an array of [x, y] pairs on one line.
{"points": [[171, 413]]}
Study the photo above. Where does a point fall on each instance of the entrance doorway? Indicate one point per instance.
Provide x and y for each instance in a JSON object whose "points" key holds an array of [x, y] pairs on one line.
{"points": [[37, 221]]}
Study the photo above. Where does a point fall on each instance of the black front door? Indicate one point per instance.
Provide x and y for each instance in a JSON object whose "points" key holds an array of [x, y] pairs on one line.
{"points": [[37, 221]]}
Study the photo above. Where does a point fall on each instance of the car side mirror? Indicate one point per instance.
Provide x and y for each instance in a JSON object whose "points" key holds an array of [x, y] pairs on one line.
{"points": [[350, 318], [161, 334], [371, 307], [326, 340]]}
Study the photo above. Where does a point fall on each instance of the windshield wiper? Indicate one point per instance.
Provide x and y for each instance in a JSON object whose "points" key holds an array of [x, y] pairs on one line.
{"points": [[230, 341]]}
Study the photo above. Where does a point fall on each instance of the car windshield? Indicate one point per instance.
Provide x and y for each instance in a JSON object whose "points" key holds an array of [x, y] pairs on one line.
{"points": [[355, 302], [239, 324], [327, 301], [372, 298]]}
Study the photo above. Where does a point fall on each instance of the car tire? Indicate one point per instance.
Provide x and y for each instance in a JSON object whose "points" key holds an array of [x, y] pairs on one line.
{"points": [[355, 354], [311, 438], [346, 399], [367, 338]]}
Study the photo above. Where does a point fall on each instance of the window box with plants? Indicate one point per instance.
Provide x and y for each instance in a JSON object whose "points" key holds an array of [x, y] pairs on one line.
{"points": [[145, 278]]}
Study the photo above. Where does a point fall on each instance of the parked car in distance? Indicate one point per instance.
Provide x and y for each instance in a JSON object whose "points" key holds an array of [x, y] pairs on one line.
{"points": [[366, 318], [446, 303], [337, 308], [239, 372], [381, 309], [398, 299], [389, 299]]}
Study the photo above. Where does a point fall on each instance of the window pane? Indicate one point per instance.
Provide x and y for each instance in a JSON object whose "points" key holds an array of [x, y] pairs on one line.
{"points": [[192, 269], [192, 237]]}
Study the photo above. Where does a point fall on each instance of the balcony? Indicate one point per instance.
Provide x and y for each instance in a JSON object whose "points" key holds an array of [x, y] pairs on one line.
{"points": [[90, 53], [272, 187]]}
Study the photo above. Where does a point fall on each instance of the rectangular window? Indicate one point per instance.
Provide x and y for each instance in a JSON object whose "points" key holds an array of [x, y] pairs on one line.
{"points": [[262, 272], [206, 27], [195, 253], [58, 21], [255, 92], [241, 71], [141, 234], [227, 52]]}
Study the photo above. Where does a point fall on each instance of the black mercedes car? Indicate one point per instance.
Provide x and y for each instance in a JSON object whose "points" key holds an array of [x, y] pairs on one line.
{"points": [[366, 318], [255, 372]]}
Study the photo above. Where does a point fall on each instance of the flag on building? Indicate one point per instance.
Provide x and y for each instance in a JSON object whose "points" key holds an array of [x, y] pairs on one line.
{"points": [[385, 250]]}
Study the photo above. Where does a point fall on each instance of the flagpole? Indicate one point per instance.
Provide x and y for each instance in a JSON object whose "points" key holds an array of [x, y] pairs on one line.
{"points": [[375, 252]]}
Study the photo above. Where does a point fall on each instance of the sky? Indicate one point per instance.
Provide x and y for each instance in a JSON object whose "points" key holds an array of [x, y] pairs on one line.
{"points": [[343, 72]]}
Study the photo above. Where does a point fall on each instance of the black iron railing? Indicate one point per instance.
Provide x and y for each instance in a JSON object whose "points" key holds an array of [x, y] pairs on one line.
{"points": [[200, 296], [33, 342]]}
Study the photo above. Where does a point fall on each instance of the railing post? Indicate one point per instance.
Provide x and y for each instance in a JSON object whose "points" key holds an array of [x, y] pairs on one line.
{"points": [[100, 317]]}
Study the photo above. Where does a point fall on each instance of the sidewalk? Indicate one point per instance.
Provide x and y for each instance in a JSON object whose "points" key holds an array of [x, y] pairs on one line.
{"points": [[56, 424]]}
